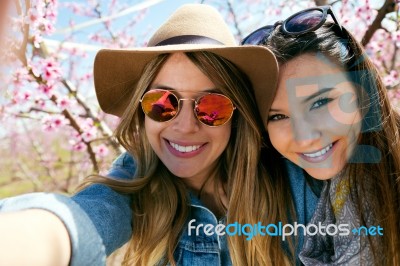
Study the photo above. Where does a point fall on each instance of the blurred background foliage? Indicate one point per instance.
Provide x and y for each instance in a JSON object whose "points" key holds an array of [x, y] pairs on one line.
{"points": [[52, 132]]}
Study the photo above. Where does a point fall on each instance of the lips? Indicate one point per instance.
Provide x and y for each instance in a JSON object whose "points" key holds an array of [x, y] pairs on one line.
{"points": [[181, 148], [320, 152], [319, 155], [184, 150]]}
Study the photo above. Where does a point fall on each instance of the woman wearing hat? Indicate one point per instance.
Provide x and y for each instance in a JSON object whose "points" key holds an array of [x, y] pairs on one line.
{"points": [[188, 118], [186, 104]]}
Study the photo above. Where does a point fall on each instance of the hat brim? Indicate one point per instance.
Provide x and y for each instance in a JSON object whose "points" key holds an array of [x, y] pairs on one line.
{"points": [[116, 72]]}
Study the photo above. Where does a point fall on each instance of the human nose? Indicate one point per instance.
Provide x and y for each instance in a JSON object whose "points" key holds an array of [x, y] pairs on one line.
{"points": [[305, 132], [186, 122]]}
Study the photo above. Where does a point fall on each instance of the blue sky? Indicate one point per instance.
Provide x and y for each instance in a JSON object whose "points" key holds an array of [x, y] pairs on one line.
{"points": [[159, 11], [156, 14]]}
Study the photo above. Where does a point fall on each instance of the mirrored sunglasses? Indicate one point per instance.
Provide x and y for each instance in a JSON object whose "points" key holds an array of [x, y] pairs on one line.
{"points": [[299, 23], [211, 109]]}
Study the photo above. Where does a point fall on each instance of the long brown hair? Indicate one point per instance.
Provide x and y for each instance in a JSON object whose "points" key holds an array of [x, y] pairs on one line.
{"points": [[378, 169], [160, 199]]}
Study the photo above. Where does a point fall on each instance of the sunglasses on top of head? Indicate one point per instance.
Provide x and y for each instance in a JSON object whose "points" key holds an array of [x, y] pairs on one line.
{"points": [[299, 23], [211, 109]]}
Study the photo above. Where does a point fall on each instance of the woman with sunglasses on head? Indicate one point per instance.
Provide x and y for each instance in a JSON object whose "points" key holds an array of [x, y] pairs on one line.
{"points": [[340, 128], [188, 117]]}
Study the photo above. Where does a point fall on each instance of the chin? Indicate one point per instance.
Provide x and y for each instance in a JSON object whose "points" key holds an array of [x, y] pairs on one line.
{"points": [[321, 173], [180, 173]]}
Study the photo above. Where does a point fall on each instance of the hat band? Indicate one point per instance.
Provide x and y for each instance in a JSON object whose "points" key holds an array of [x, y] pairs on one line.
{"points": [[188, 39]]}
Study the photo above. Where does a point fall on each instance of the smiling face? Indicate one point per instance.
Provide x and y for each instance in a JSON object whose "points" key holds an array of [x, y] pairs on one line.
{"points": [[314, 119], [188, 148]]}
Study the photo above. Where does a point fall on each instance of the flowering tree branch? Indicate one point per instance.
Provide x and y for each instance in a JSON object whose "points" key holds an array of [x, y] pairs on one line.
{"points": [[388, 7], [53, 90], [235, 20], [20, 52]]}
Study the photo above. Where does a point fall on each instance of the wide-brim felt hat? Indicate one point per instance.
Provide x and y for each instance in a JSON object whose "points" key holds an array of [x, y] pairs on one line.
{"points": [[192, 27]]}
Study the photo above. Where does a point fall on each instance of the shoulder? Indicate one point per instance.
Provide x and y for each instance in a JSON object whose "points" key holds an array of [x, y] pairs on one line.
{"points": [[123, 167]]}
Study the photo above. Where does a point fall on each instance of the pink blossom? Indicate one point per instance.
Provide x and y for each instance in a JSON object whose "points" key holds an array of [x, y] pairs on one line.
{"points": [[26, 96], [88, 129], [79, 147], [88, 135], [33, 16], [54, 122], [63, 102], [95, 37], [51, 14], [46, 89], [81, 9], [75, 7], [394, 74], [47, 27], [396, 38], [51, 70], [86, 77], [101, 150], [21, 76], [40, 103], [16, 98]]}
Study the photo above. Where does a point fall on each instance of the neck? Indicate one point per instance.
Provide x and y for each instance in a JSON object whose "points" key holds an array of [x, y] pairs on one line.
{"points": [[215, 201], [210, 190], [202, 181]]}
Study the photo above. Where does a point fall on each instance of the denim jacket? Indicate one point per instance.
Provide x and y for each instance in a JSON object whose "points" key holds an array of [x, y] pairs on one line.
{"points": [[201, 249], [99, 219]]}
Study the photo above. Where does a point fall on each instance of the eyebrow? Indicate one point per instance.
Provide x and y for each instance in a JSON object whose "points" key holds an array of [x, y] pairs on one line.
{"points": [[319, 92], [210, 90], [163, 87], [273, 110]]}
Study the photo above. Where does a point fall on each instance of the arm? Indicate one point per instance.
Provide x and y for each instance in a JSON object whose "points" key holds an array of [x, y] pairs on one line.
{"points": [[110, 211], [32, 225], [35, 220], [97, 219]]}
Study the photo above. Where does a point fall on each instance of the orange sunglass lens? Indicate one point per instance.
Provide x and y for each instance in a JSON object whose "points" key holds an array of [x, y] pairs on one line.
{"points": [[214, 109], [160, 105]]}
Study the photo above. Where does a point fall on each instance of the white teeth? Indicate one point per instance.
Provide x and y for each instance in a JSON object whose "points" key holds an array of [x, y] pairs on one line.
{"points": [[320, 152], [184, 148]]}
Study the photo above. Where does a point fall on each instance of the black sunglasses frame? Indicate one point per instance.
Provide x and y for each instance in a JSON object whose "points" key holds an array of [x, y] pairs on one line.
{"points": [[326, 10]]}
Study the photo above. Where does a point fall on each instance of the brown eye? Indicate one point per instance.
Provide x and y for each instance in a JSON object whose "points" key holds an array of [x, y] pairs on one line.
{"points": [[277, 117]]}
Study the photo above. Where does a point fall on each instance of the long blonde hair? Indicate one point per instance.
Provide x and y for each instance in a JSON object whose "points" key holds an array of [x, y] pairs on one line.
{"points": [[160, 199]]}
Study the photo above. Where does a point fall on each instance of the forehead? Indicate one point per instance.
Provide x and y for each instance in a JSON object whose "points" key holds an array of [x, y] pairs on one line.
{"points": [[307, 65], [309, 73], [181, 74]]}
